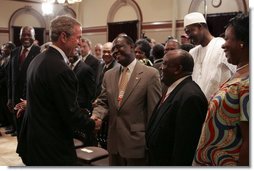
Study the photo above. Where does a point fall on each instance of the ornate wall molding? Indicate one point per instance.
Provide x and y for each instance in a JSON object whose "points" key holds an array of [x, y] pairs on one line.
{"points": [[4, 30], [195, 4], [67, 10], [120, 3], [25, 10]]}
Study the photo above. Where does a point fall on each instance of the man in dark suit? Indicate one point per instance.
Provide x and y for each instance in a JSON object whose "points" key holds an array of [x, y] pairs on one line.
{"points": [[89, 59], [8, 117], [86, 81], [86, 94], [109, 63], [175, 126], [52, 113], [129, 94], [19, 62]]}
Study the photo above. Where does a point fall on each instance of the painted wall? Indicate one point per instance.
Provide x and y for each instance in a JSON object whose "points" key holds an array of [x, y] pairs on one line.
{"points": [[161, 18]]}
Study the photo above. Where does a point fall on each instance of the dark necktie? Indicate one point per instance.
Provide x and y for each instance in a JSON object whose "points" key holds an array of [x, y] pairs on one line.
{"points": [[163, 98], [105, 69], [22, 57]]}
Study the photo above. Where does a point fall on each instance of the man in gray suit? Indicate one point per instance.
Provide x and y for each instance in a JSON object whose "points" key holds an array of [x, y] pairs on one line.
{"points": [[129, 109]]}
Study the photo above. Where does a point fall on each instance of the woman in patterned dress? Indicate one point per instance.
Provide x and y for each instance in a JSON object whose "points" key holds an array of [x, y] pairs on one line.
{"points": [[224, 140]]}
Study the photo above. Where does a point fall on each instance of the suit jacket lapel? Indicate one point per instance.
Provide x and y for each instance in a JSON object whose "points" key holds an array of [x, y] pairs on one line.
{"points": [[75, 69], [29, 57], [157, 115], [162, 109], [133, 82], [16, 58], [164, 106], [110, 66]]}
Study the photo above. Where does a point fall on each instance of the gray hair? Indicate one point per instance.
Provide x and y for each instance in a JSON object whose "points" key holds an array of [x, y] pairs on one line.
{"points": [[31, 30], [62, 24]]}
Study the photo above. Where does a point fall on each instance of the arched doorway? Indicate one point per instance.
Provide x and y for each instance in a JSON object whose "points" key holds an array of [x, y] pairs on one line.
{"points": [[131, 27], [24, 17]]}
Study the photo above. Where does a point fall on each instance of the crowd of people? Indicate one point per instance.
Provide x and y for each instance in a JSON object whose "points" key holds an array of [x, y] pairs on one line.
{"points": [[176, 103]]}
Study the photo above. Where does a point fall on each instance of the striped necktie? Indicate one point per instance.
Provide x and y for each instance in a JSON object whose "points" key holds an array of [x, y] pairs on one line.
{"points": [[122, 85]]}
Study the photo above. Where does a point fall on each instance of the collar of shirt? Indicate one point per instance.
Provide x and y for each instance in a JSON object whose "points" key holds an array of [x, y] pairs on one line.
{"points": [[107, 65], [132, 65], [158, 60], [28, 49], [66, 60], [173, 86], [84, 57], [75, 63], [130, 69]]}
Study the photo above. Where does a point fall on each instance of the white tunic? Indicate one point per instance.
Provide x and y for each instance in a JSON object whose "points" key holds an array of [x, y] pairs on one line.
{"points": [[211, 68]]}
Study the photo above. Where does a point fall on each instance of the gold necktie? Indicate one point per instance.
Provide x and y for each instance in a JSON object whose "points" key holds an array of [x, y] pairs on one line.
{"points": [[122, 85]]}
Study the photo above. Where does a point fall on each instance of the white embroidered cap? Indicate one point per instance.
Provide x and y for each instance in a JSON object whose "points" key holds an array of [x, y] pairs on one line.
{"points": [[193, 18]]}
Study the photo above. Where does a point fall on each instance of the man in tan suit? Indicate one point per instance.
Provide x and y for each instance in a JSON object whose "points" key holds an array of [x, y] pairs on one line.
{"points": [[129, 104]]}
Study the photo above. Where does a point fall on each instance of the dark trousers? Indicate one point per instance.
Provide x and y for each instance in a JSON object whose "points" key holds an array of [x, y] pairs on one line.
{"points": [[118, 160], [18, 122]]}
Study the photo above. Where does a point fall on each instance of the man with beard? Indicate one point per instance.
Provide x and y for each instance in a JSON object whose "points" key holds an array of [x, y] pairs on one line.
{"points": [[211, 68]]}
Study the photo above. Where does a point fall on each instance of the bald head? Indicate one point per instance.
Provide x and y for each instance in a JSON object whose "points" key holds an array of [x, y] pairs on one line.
{"points": [[176, 64], [183, 57]]}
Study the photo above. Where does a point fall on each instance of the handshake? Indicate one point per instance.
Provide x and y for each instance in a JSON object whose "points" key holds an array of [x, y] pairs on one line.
{"points": [[21, 106], [97, 121]]}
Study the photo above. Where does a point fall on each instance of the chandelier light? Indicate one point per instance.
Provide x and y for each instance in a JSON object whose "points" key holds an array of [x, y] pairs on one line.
{"points": [[47, 8], [68, 1], [47, 5], [63, 1]]}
